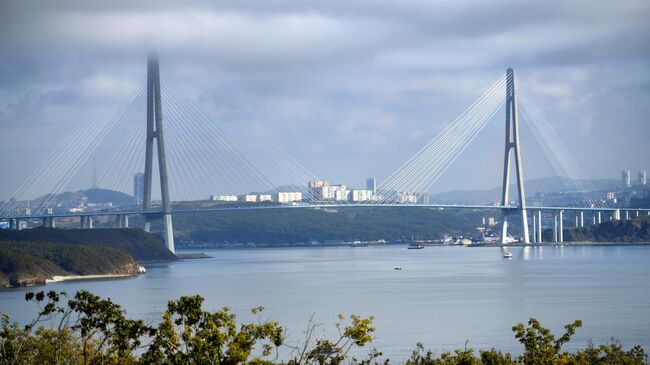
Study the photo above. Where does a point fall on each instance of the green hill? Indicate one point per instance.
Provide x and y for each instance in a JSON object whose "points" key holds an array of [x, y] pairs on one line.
{"points": [[141, 245], [632, 230], [287, 226], [27, 263]]}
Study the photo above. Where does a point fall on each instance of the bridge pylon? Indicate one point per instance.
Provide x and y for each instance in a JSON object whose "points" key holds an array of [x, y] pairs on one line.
{"points": [[512, 145], [155, 132]]}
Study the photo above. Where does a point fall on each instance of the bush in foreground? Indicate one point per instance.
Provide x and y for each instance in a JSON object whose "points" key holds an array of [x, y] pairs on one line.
{"points": [[90, 330]]}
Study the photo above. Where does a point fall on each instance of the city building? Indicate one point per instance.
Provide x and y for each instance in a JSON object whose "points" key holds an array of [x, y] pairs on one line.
{"points": [[361, 195], [289, 196], [323, 190], [250, 198], [642, 177], [138, 188], [224, 198], [407, 197], [625, 178], [265, 198], [371, 184]]}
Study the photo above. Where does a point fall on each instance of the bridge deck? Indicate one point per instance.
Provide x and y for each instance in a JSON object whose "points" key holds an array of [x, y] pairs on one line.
{"points": [[315, 206]]}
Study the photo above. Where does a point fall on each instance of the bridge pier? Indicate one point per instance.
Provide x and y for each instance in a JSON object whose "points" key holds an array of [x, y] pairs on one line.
{"points": [[616, 215], [561, 228], [19, 226], [534, 237], [48, 222], [582, 218], [123, 221], [539, 226], [555, 236], [599, 218], [12, 223]]}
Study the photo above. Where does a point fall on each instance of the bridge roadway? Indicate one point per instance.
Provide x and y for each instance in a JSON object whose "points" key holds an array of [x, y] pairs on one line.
{"points": [[318, 206]]}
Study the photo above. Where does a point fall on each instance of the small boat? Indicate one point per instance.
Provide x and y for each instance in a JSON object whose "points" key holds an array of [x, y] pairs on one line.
{"points": [[397, 268], [415, 247], [507, 254]]}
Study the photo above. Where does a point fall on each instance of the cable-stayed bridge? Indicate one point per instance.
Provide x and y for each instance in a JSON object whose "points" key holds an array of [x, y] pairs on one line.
{"points": [[164, 135]]}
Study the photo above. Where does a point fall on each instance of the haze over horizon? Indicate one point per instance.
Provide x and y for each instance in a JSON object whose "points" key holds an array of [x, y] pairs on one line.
{"points": [[350, 90]]}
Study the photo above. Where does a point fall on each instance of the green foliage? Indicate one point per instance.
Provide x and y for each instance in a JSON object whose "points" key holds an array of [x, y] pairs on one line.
{"points": [[141, 245], [87, 329], [323, 351], [189, 334], [30, 263], [632, 230], [290, 226]]}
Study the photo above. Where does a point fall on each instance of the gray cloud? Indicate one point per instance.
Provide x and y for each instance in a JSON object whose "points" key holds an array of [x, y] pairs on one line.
{"points": [[364, 82]]}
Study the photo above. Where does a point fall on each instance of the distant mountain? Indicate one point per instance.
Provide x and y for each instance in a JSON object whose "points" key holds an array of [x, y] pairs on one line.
{"points": [[73, 198], [105, 195], [533, 186]]}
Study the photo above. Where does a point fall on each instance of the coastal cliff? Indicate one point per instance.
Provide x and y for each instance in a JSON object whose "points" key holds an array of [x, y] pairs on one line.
{"points": [[34, 263], [35, 256]]}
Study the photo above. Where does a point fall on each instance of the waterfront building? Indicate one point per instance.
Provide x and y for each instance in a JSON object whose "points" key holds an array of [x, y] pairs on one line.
{"points": [[224, 198], [407, 197], [265, 198], [361, 195], [250, 198], [289, 196]]}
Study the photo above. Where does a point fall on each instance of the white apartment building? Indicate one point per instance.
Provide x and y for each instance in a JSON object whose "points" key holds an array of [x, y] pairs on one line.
{"points": [[264, 198], [289, 196], [361, 195], [250, 198], [224, 198]]}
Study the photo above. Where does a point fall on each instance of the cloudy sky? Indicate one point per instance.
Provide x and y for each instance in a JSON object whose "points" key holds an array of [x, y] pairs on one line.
{"points": [[349, 88]]}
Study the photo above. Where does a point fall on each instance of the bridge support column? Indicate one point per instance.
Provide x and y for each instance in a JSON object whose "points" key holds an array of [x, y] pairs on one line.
{"points": [[616, 215], [45, 222], [582, 218], [512, 144], [12, 225], [89, 222], [540, 229], [561, 228], [627, 214], [599, 218], [555, 236], [155, 132], [124, 221], [577, 221], [19, 225], [594, 219], [82, 222], [534, 240]]}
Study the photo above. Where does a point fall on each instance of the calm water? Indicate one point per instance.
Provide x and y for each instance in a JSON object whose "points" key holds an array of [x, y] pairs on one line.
{"points": [[442, 297]]}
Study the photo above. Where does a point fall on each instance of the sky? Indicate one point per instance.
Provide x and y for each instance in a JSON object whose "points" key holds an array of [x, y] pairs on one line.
{"points": [[350, 89]]}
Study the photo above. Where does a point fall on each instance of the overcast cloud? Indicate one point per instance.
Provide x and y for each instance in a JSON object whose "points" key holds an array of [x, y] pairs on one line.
{"points": [[349, 88]]}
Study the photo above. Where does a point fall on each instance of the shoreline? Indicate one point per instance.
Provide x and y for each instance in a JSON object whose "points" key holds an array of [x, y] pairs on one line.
{"points": [[61, 278], [249, 246]]}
